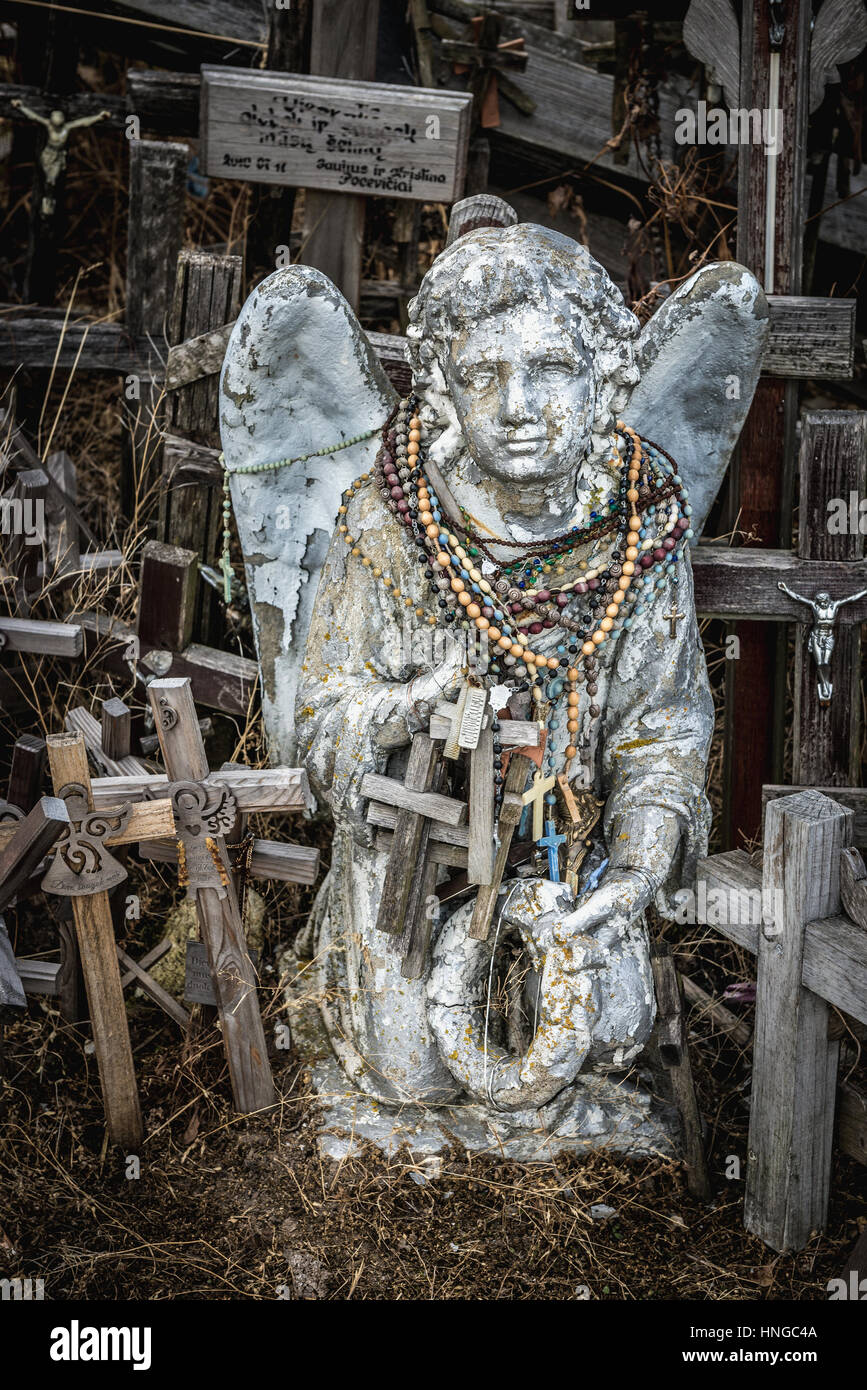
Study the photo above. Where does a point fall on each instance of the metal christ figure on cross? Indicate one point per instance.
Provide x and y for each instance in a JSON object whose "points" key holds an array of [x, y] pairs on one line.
{"points": [[822, 638], [52, 156]]}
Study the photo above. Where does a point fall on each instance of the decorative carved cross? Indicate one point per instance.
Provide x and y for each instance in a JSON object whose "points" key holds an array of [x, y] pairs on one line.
{"points": [[206, 806]]}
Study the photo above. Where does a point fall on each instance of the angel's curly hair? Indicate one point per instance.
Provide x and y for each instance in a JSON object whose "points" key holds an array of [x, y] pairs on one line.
{"points": [[497, 268]]}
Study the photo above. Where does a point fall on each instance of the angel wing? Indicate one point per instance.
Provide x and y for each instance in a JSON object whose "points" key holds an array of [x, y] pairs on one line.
{"points": [[700, 357], [299, 378]]}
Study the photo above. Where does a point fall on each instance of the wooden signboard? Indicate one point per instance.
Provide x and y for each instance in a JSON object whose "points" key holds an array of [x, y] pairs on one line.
{"points": [[328, 133]]}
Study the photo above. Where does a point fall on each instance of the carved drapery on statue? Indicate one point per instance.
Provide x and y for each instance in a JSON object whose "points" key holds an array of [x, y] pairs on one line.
{"points": [[524, 357]]}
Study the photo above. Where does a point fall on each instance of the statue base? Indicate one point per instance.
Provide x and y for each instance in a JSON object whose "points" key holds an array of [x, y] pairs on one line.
{"points": [[604, 1110]]}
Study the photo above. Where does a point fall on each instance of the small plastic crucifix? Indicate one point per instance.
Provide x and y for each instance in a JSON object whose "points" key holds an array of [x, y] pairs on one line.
{"points": [[535, 797], [551, 841]]}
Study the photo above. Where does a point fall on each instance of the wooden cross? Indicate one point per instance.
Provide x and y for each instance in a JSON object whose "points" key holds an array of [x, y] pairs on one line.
{"points": [[742, 582], [410, 877], [584, 811], [31, 839], [206, 801], [85, 876], [535, 797]]}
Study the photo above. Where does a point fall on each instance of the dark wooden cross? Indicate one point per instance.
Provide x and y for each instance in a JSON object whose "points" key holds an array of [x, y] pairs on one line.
{"points": [[743, 582]]}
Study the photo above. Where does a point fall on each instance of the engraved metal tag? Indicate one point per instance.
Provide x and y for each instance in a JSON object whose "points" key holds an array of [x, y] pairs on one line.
{"points": [[198, 980], [472, 718], [82, 865]]}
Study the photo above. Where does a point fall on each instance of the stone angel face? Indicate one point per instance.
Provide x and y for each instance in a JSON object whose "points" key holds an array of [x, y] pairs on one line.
{"points": [[524, 351]]}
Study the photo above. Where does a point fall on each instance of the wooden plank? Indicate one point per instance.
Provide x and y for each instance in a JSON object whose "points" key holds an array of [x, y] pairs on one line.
{"points": [[157, 189], [168, 589], [279, 790], [149, 820], [333, 134], [166, 103], [834, 952], [25, 776], [761, 479], [46, 341], [333, 226], [35, 635], [380, 814], [438, 852], [269, 859], [29, 843], [68, 762], [242, 20], [480, 859], [220, 679], [810, 337], [795, 1065], [731, 583], [417, 806], [155, 991], [514, 733], [511, 810], [674, 1054], [115, 729], [833, 464], [432, 805], [218, 912]]}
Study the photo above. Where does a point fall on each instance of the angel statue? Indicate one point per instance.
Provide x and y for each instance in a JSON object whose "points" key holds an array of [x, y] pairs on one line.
{"points": [[508, 574]]}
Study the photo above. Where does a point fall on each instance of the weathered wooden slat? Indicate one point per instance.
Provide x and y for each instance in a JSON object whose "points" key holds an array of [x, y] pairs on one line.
{"points": [[221, 680], [44, 341], [734, 583], [168, 589], [279, 790], [149, 820], [380, 814], [46, 638], [835, 950], [810, 337], [115, 728], [432, 805], [480, 858], [511, 809], [93, 925], [795, 1064], [29, 842], [269, 859], [416, 807], [158, 173], [25, 776], [438, 852], [673, 1047]]}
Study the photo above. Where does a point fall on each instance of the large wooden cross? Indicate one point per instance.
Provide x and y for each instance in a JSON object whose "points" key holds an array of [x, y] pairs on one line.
{"points": [[744, 582], [206, 806]]}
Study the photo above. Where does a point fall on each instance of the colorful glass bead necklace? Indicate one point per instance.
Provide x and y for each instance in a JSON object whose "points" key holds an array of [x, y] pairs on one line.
{"points": [[642, 533]]}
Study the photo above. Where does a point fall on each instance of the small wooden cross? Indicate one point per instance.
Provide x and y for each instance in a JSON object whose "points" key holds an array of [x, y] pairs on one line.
{"points": [[535, 797], [584, 810], [410, 878], [672, 619]]}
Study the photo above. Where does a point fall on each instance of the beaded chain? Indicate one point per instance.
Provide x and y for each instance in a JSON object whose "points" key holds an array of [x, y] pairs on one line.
{"points": [[642, 533]]}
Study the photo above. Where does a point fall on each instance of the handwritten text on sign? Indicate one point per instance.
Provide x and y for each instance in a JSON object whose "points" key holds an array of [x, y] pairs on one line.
{"points": [[344, 137]]}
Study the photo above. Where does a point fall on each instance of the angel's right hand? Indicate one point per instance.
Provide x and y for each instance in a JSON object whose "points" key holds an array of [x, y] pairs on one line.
{"points": [[443, 682]]}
